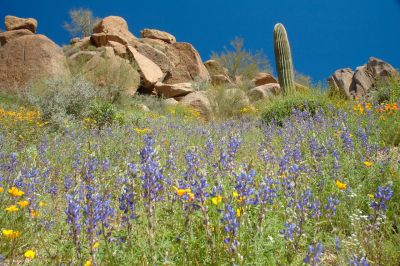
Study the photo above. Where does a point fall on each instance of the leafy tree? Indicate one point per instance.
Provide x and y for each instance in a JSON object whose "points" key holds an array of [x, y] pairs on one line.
{"points": [[241, 62], [82, 22]]}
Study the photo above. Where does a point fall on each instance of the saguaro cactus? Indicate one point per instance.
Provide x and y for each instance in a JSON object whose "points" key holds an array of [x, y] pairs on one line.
{"points": [[283, 59]]}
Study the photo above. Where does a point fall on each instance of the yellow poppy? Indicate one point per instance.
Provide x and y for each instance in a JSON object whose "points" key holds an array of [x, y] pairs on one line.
{"points": [[12, 208], [341, 185], [23, 203], [10, 234], [29, 254], [15, 192], [368, 164], [1, 189], [216, 200], [239, 212], [88, 263]]}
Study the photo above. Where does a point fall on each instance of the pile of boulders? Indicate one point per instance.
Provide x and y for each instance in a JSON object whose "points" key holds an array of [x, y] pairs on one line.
{"points": [[155, 63], [25, 56], [359, 83]]}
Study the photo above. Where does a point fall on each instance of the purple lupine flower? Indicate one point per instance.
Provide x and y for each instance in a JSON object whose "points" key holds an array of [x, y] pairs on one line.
{"points": [[347, 141], [355, 261], [290, 231], [244, 185], [231, 227], [338, 244], [314, 254], [152, 177], [268, 191], [331, 205], [382, 195], [126, 204]]}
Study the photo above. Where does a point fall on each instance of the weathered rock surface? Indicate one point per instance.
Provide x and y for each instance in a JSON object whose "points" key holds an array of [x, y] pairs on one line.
{"points": [[380, 68], [187, 64], [360, 82], [9, 35], [112, 28], [264, 91], [158, 57], [16, 23], [107, 69], [158, 35], [173, 90], [199, 101], [218, 74], [342, 82], [170, 101], [363, 81], [263, 78], [28, 58], [150, 72]]}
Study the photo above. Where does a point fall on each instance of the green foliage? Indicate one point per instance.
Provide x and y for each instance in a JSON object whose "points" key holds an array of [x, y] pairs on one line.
{"points": [[387, 91], [282, 108], [241, 62], [283, 60], [104, 114], [82, 22], [227, 101], [390, 125], [61, 99]]}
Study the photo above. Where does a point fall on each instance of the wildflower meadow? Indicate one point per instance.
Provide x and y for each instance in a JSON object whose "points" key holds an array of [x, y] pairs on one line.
{"points": [[318, 189]]}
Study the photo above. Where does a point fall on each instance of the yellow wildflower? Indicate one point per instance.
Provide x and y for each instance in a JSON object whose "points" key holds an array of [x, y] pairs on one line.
{"points": [[42, 204], [10, 234], [182, 191], [23, 203], [191, 196], [12, 208], [29, 254], [368, 164], [1, 189], [88, 263], [239, 212], [371, 196], [235, 194], [341, 185], [15, 192], [142, 131], [34, 213], [216, 200], [96, 245]]}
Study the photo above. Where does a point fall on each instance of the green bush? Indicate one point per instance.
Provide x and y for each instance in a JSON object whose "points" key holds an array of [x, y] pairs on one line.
{"points": [[281, 108], [61, 99], [390, 129], [104, 114], [387, 92]]}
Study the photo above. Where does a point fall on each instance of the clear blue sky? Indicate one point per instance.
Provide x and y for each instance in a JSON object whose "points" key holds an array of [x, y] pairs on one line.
{"points": [[324, 35]]}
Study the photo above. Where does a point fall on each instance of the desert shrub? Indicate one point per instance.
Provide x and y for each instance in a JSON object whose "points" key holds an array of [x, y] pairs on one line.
{"points": [[61, 99], [227, 101], [389, 123], [70, 50], [279, 109], [241, 62], [387, 92], [82, 22], [183, 111], [113, 77], [155, 104], [102, 114]]}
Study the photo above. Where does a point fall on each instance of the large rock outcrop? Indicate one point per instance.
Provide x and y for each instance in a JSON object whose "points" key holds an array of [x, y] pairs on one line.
{"points": [[158, 35], [364, 79], [27, 58], [264, 91], [187, 64], [199, 101], [9, 35], [16, 23], [112, 28], [219, 74]]}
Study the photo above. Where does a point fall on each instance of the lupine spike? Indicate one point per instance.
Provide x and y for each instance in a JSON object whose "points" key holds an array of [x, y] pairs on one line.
{"points": [[283, 59]]}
